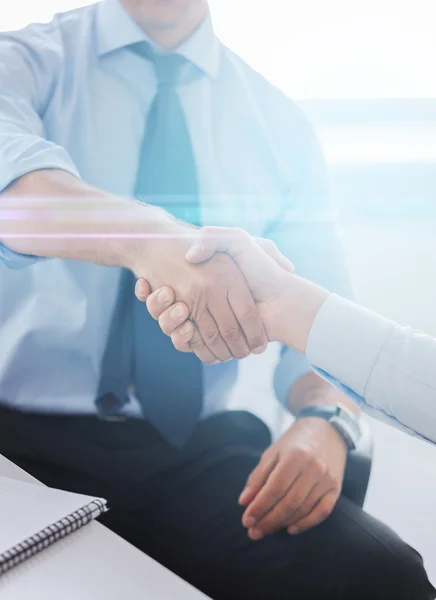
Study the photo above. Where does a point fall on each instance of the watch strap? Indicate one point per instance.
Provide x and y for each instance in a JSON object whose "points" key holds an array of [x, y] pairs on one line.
{"points": [[341, 418]]}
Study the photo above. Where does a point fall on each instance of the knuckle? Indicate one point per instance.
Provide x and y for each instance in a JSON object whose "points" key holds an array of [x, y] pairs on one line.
{"points": [[304, 454], [211, 336], [222, 261], [232, 334], [207, 230], [321, 470], [240, 233], [249, 313], [267, 525], [267, 244], [197, 342], [260, 509], [292, 505]]}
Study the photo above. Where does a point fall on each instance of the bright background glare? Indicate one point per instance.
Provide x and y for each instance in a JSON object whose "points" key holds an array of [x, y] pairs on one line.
{"points": [[315, 48]]}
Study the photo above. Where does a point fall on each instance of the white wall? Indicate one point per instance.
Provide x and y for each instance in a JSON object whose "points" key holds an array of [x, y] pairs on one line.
{"points": [[315, 48]]}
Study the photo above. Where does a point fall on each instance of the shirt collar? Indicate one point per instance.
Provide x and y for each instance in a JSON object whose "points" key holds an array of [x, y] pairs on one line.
{"points": [[116, 29]]}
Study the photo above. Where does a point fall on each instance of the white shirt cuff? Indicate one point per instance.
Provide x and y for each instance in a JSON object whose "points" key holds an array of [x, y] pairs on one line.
{"points": [[345, 342]]}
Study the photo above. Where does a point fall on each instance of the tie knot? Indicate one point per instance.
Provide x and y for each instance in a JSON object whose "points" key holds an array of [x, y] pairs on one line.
{"points": [[167, 66]]}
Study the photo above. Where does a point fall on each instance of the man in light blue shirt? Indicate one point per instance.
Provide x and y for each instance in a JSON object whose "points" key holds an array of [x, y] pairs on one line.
{"points": [[75, 96]]}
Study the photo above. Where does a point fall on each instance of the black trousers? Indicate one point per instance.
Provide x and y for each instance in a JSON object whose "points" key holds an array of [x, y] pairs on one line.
{"points": [[180, 507]]}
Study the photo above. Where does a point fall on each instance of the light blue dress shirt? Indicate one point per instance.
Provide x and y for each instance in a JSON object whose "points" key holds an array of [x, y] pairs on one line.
{"points": [[73, 96]]}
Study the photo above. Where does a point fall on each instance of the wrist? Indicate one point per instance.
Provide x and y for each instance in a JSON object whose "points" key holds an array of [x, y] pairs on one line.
{"points": [[146, 228], [293, 313]]}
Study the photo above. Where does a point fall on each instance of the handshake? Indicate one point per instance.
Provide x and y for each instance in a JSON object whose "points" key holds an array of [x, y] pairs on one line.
{"points": [[243, 295]]}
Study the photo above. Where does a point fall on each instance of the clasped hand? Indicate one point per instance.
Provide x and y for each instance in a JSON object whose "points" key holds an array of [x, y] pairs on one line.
{"points": [[227, 293], [214, 293]]}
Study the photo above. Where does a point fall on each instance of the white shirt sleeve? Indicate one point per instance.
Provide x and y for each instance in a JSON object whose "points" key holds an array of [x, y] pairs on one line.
{"points": [[388, 367]]}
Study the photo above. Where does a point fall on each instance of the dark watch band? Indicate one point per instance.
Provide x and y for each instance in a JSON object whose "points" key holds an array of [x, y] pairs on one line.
{"points": [[341, 418], [323, 412]]}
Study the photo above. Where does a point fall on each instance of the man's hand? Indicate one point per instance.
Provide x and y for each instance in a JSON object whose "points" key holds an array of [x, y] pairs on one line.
{"points": [[214, 293], [298, 481], [288, 304], [265, 269]]}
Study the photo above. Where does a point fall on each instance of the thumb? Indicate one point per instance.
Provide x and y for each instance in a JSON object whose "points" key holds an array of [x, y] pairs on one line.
{"points": [[270, 248], [233, 242], [210, 240], [201, 251]]}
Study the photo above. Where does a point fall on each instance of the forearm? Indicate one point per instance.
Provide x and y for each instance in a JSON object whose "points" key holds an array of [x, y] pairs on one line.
{"points": [[50, 213]]}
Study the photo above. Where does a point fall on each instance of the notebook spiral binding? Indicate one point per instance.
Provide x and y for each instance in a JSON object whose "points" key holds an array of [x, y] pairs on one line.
{"points": [[51, 534]]}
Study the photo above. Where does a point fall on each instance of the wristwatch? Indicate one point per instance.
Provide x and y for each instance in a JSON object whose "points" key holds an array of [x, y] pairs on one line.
{"points": [[346, 423]]}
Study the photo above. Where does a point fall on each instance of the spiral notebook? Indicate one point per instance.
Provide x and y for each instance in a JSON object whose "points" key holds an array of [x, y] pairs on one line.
{"points": [[33, 517]]}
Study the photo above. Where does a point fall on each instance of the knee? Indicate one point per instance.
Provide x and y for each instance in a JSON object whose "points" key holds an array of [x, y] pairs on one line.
{"points": [[414, 577], [401, 575]]}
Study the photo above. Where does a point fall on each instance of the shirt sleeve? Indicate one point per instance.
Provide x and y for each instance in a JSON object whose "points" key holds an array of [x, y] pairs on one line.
{"points": [[29, 63], [375, 361], [307, 234]]}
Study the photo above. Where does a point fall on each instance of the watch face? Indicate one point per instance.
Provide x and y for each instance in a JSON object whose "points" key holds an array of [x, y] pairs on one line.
{"points": [[347, 423]]}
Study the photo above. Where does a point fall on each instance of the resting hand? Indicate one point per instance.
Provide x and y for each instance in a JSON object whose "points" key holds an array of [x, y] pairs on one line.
{"points": [[298, 481]]}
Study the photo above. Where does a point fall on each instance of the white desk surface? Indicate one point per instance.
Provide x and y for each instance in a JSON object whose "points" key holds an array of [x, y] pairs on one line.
{"points": [[90, 564]]}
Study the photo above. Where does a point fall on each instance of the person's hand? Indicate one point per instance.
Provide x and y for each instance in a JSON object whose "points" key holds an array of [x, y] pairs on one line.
{"points": [[261, 262], [228, 323], [297, 482], [263, 266], [287, 303]]}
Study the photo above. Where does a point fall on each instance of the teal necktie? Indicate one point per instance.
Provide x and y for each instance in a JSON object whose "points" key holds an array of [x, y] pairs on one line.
{"points": [[168, 384]]}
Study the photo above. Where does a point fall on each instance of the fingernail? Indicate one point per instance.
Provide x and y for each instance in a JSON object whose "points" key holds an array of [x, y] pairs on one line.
{"points": [[250, 522], [164, 296], [193, 251], [256, 535], [217, 362], [293, 530], [185, 328], [177, 312], [243, 495], [259, 350]]}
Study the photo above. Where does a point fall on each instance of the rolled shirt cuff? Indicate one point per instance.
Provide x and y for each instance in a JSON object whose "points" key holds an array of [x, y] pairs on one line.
{"points": [[14, 260], [33, 155], [345, 342]]}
